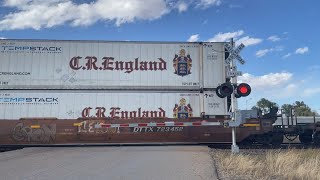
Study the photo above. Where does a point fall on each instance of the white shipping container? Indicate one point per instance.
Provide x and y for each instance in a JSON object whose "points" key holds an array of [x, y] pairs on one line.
{"points": [[72, 105], [45, 64]]}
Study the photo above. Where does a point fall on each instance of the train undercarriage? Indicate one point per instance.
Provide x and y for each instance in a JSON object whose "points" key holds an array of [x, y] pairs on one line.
{"points": [[288, 129], [270, 130]]}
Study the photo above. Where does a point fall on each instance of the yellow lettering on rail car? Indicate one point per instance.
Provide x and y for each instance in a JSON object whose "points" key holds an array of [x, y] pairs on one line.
{"points": [[35, 126], [77, 124], [251, 125]]}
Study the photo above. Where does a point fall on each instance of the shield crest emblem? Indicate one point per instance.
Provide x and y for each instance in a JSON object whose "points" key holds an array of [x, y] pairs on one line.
{"points": [[182, 115], [182, 111], [182, 68], [182, 63]]}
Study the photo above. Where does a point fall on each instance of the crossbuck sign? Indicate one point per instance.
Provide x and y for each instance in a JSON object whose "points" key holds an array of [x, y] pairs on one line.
{"points": [[234, 53]]}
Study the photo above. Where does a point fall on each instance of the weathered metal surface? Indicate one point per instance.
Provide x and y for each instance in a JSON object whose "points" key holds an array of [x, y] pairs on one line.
{"points": [[83, 131], [41, 64], [76, 104]]}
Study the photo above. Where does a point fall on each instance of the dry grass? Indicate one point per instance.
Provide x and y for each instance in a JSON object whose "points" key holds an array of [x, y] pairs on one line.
{"points": [[268, 164]]}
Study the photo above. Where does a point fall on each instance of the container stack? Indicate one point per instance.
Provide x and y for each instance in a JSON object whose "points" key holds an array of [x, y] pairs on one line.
{"points": [[103, 79]]}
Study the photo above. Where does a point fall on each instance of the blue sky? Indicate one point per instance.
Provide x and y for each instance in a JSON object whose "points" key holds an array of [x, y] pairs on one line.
{"points": [[281, 36]]}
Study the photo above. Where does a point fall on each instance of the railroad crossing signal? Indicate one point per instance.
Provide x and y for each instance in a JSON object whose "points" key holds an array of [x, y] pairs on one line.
{"points": [[234, 53], [226, 89]]}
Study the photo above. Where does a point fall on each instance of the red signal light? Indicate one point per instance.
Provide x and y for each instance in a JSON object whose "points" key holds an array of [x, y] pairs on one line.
{"points": [[243, 90]]}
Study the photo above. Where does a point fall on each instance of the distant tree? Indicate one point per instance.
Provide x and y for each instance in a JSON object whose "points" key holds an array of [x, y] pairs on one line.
{"points": [[258, 109], [286, 109], [301, 109], [264, 105], [255, 108]]}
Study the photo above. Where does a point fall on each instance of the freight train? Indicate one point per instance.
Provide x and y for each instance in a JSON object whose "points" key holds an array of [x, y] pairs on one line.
{"points": [[285, 128], [159, 129], [101, 92]]}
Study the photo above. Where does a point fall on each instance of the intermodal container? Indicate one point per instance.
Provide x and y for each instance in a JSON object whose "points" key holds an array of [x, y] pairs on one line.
{"points": [[55, 64], [63, 104]]}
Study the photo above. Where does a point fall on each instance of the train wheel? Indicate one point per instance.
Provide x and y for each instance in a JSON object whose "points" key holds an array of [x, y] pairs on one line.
{"points": [[306, 137], [264, 139], [247, 142], [316, 138], [277, 139]]}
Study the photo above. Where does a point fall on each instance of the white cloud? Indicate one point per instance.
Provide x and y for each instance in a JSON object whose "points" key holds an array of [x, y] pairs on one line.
{"points": [[274, 38], [273, 86], [302, 50], [286, 56], [248, 41], [237, 36], [263, 52], [291, 87], [208, 3], [311, 91], [12, 3], [193, 38], [182, 6], [3, 38], [37, 14], [266, 82], [223, 37], [281, 87]]}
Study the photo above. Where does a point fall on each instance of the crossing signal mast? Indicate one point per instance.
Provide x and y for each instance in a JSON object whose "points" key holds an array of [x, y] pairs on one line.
{"points": [[232, 89]]}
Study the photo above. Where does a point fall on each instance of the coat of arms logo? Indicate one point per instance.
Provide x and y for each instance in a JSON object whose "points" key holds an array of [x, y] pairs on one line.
{"points": [[182, 63], [182, 110]]}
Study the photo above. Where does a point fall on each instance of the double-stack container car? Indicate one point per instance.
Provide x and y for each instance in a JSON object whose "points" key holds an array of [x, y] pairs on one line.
{"points": [[66, 92]]}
